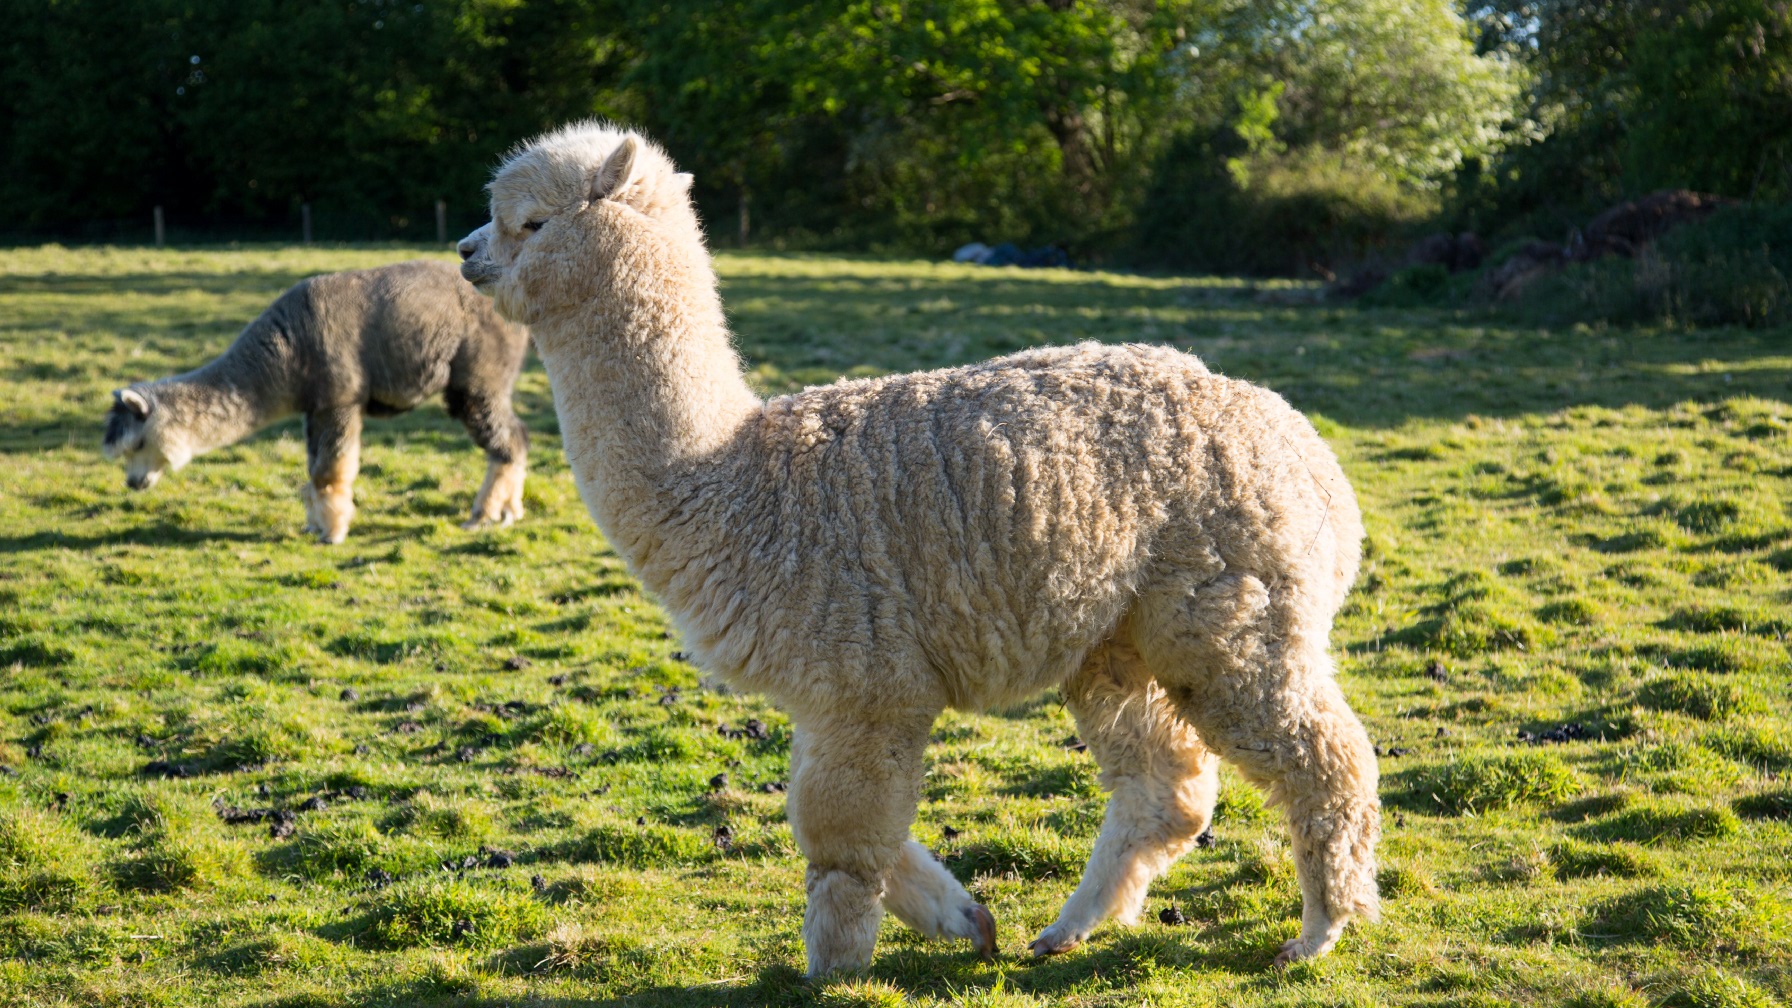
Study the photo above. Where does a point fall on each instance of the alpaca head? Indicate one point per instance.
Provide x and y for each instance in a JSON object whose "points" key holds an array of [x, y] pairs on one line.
{"points": [[141, 436], [552, 195]]}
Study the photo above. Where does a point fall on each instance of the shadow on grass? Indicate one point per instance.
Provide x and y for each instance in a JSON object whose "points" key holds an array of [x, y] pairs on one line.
{"points": [[945, 972], [158, 534], [154, 283]]}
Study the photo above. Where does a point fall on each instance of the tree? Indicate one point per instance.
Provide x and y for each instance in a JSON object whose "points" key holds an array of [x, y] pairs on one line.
{"points": [[1711, 109]]}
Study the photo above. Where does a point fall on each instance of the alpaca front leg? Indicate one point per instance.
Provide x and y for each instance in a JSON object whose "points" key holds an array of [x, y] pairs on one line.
{"points": [[854, 785], [1163, 782], [925, 896], [333, 448]]}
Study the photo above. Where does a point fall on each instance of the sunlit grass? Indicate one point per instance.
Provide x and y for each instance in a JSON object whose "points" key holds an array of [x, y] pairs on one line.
{"points": [[496, 768]]}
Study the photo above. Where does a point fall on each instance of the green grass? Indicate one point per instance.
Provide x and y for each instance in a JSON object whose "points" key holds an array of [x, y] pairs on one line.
{"points": [[1567, 527]]}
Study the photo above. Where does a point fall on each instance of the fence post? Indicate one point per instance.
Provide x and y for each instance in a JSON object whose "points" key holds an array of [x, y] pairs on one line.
{"points": [[441, 222], [746, 220], [305, 221], [161, 230]]}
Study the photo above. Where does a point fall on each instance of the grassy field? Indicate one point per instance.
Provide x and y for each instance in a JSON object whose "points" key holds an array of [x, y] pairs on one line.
{"points": [[437, 767]]}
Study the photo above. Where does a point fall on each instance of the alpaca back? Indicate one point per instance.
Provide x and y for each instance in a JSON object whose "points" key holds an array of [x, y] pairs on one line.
{"points": [[387, 337], [996, 521]]}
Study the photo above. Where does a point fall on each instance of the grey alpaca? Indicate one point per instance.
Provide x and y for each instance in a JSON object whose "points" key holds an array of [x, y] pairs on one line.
{"points": [[336, 348]]}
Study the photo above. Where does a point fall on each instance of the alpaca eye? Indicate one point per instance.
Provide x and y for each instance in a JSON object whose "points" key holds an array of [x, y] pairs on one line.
{"points": [[534, 225]]}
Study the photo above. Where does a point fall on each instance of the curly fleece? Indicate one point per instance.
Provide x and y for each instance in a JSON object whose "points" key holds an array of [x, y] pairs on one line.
{"points": [[1166, 545]]}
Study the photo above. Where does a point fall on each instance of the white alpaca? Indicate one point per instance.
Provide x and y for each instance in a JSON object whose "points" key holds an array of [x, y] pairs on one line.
{"points": [[1166, 545]]}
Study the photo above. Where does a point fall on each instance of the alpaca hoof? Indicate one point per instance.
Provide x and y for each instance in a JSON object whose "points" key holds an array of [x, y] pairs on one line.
{"points": [[328, 539], [1052, 942], [984, 924], [502, 520], [1293, 950]]}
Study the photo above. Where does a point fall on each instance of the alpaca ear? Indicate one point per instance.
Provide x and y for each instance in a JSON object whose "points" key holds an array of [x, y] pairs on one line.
{"points": [[618, 170], [133, 400], [682, 182]]}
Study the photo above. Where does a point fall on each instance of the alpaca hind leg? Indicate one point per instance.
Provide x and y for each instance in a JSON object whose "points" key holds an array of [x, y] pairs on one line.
{"points": [[925, 896], [854, 785], [333, 451], [1249, 669], [493, 426], [1162, 780]]}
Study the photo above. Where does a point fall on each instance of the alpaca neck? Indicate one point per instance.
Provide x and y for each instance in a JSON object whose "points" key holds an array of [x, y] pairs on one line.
{"points": [[218, 404], [647, 387]]}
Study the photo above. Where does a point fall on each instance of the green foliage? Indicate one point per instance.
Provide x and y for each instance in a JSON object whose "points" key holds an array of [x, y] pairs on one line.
{"points": [[1396, 86], [912, 124], [1410, 287], [175, 104], [1713, 105], [1731, 268], [1628, 96], [1217, 207]]}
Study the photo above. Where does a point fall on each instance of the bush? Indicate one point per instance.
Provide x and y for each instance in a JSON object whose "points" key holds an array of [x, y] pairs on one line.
{"points": [[1411, 287], [1273, 214], [1730, 269]]}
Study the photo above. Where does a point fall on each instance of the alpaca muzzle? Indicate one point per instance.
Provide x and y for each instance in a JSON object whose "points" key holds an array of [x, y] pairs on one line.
{"points": [[479, 272], [476, 264]]}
